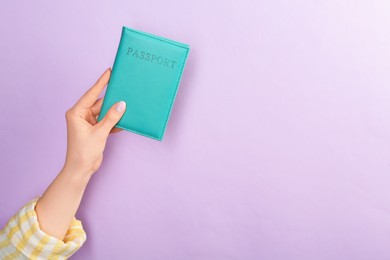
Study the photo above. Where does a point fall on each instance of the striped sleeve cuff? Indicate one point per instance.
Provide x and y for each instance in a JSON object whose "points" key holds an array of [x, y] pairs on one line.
{"points": [[25, 235]]}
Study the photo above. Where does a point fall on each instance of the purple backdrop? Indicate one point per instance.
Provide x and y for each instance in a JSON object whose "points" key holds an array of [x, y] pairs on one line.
{"points": [[277, 146]]}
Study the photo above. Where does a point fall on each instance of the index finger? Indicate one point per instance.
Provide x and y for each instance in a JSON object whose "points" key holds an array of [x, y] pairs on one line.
{"points": [[89, 98]]}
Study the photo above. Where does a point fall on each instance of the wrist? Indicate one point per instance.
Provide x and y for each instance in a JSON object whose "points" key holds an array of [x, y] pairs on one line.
{"points": [[75, 176]]}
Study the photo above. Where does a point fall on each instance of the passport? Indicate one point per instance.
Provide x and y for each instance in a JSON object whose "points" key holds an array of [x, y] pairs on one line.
{"points": [[146, 75]]}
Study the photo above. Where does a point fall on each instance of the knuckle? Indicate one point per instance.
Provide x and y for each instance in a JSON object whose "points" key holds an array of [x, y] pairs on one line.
{"points": [[111, 118], [68, 113]]}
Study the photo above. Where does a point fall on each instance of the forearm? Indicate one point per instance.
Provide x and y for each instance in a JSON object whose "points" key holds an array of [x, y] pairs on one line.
{"points": [[59, 203], [86, 139]]}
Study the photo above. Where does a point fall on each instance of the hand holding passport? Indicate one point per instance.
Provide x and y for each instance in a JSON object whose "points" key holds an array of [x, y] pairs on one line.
{"points": [[146, 75]]}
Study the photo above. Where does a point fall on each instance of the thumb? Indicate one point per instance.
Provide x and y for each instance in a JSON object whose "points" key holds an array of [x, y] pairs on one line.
{"points": [[112, 117]]}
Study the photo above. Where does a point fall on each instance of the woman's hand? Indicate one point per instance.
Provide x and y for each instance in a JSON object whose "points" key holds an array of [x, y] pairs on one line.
{"points": [[87, 137], [86, 142]]}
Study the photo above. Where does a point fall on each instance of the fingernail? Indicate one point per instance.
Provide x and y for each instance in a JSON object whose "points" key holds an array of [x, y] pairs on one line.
{"points": [[120, 106]]}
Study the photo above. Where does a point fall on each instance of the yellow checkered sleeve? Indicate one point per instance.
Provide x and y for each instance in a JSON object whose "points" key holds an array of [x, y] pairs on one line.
{"points": [[22, 237]]}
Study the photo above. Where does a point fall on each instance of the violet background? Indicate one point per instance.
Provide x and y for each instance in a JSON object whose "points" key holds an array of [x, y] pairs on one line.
{"points": [[278, 142]]}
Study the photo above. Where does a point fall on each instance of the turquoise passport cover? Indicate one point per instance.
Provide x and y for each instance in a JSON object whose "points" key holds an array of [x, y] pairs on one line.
{"points": [[146, 74]]}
